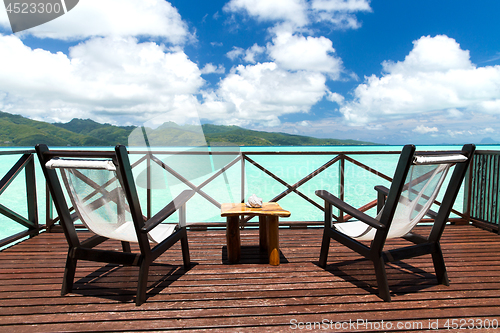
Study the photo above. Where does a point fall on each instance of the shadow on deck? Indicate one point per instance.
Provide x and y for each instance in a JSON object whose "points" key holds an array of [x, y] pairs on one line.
{"points": [[295, 296]]}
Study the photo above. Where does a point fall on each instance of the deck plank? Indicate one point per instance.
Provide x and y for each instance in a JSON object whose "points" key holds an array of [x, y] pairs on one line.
{"points": [[216, 295]]}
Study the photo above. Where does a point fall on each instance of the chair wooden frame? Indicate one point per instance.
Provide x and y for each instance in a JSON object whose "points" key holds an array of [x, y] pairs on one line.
{"points": [[84, 250], [389, 198]]}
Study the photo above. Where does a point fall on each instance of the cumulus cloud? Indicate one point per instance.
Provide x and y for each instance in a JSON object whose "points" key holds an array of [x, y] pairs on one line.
{"points": [[249, 55], [252, 53], [116, 18], [487, 130], [300, 13], [348, 6], [437, 75], [295, 52], [430, 55], [235, 53], [110, 78], [292, 81], [293, 11], [339, 12], [335, 97], [212, 69], [261, 93], [421, 129]]}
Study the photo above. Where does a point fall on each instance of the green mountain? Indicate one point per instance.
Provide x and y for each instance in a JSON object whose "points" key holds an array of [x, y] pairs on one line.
{"points": [[16, 130], [110, 135], [234, 135]]}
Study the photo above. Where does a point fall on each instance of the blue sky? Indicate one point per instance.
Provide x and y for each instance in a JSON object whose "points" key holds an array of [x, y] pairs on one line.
{"points": [[396, 72]]}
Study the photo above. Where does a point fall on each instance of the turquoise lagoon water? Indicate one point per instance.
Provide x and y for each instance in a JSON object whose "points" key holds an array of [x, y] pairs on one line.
{"points": [[227, 187]]}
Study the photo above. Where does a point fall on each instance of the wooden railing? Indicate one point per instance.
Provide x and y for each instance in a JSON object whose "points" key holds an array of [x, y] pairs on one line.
{"points": [[26, 163], [481, 202], [476, 206], [340, 160]]}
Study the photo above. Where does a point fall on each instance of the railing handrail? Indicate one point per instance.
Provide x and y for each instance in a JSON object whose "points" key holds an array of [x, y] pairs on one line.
{"points": [[208, 152], [17, 152], [487, 152]]}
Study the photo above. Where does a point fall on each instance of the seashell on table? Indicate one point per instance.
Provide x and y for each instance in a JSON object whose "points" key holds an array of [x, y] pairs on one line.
{"points": [[254, 202]]}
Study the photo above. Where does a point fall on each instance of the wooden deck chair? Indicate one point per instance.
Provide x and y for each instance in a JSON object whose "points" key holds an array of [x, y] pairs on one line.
{"points": [[102, 191], [416, 183]]}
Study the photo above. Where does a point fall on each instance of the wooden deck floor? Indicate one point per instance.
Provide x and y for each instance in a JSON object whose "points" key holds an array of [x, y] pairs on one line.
{"points": [[216, 295]]}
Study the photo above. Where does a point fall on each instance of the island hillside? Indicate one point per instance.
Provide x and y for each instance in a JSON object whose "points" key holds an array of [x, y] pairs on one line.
{"points": [[16, 130]]}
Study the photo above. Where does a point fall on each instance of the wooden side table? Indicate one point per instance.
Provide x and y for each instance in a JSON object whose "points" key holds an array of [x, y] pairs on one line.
{"points": [[268, 228]]}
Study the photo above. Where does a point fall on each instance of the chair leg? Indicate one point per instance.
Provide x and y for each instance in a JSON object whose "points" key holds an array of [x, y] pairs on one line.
{"points": [[383, 285], [185, 251], [325, 246], [142, 283], [439, 266], [126, 247], [69, 274]]}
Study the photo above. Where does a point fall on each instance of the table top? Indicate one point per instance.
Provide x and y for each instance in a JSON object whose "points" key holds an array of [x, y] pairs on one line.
{"points": [[268, 208]]}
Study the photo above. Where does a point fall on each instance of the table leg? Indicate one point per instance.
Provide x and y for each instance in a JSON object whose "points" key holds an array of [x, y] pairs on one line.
{"points": [[262, 233], [273, 248], [233, 239]]}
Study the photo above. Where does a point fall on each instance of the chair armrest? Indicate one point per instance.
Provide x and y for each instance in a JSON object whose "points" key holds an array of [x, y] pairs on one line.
{"points": [[169, 209], [333, 200], [382, 193], [432, 214], [382, 190]]}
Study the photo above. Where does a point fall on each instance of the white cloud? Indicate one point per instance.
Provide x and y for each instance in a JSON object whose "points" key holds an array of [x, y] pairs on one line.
{"points": [[430, 55], [212, 69], [116, 18], [249, 55], [453, 133], [295, 52], [334, 97], [235, 53], [261, 93], [455, 113], [341, 5], [490, 106], [436, 75], [487, 130], [293, 11], [300, 13], [253, 52], [421, 129], [109, 78], [339, 12]]}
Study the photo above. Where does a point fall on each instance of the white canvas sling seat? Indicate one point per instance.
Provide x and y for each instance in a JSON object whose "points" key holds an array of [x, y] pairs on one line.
{"points": [[422, 186], [99, 199]]}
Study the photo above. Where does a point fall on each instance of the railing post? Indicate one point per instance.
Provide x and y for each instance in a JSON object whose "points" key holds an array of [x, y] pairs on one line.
{"points": [[242, 177], [468, 192], [148, 186], [31, 193], [49, 213], [242, 221], [341, 184]]}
